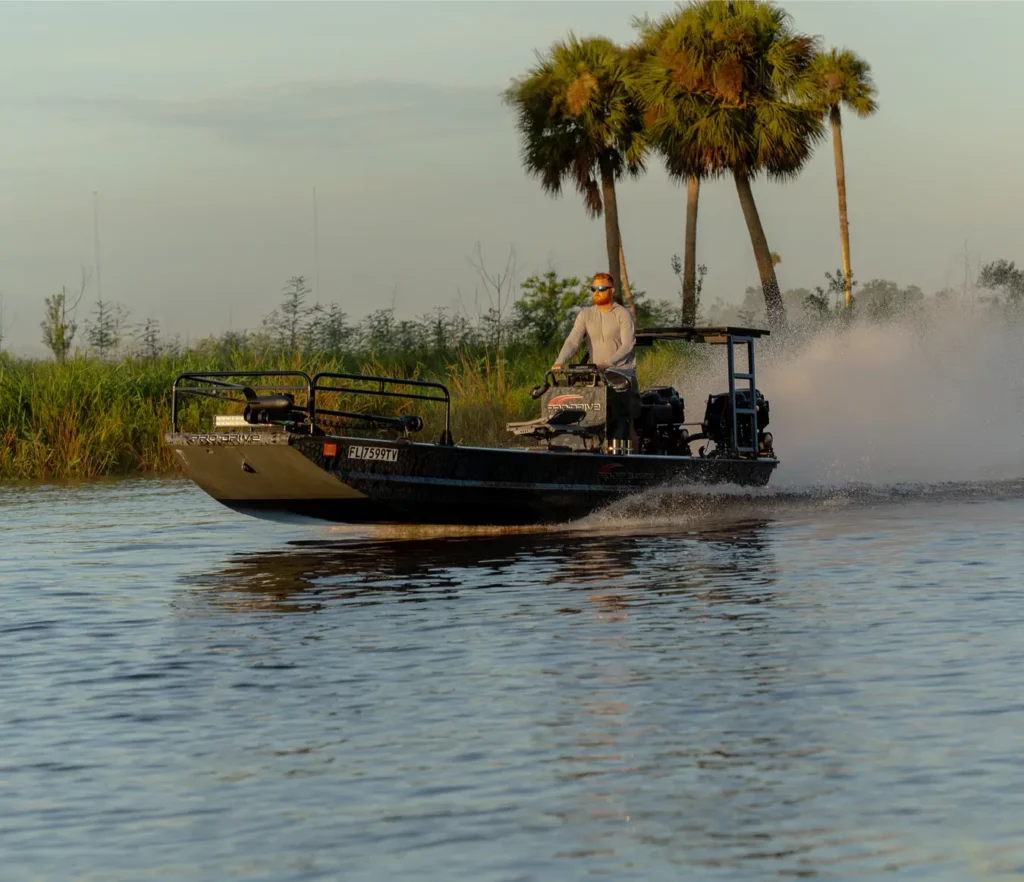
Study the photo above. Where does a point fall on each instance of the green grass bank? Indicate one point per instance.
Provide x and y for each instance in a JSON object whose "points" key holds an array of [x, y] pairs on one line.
{"points": [[89, 418]]}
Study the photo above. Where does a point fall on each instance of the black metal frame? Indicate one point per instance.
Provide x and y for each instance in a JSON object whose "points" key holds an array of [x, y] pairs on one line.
{"points": [[213, 378], [749, 412], [711, 334], [730, 336], [311, 385], [445, 397]]}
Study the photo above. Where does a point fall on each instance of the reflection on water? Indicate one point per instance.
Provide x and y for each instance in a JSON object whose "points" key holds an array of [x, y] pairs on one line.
{"points": [[306, 574], [763, 688]]}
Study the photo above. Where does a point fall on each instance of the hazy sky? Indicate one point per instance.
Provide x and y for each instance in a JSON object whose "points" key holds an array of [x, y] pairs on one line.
{"points": [[204, 127]]}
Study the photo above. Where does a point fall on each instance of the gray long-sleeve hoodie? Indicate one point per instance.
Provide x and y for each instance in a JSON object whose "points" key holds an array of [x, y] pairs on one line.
{"points": [[611, 336]]}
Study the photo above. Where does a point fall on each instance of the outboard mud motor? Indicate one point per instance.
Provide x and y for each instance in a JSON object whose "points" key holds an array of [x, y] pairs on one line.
{"points": [[718, 416], [660, 423]]}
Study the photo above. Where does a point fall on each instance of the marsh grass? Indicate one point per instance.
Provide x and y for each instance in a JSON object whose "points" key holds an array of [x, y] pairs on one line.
{"points": [[87, 418]]}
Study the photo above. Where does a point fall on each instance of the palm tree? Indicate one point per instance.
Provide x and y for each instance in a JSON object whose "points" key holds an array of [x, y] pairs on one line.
{"points": [[739, 68], [840, 77], [578, 123], [669, 111]]}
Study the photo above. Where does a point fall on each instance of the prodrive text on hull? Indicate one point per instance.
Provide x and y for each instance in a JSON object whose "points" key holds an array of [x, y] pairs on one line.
{"points": [[289, 449]]}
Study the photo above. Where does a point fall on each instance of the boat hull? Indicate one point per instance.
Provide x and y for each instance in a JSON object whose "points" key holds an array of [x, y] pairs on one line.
{"points": [[284, 477]]}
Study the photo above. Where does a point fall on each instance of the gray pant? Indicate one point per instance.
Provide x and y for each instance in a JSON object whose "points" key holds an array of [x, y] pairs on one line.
{"points": [[623, 408]]}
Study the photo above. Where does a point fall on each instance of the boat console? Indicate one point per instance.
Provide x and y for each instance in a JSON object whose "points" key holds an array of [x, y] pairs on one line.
{"points": [[574, 407]]}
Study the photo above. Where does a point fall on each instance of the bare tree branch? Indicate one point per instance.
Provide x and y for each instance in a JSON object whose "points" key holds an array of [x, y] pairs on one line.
{"points": [[499, 286]]}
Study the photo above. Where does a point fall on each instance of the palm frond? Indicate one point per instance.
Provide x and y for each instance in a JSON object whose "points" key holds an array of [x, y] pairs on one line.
{"points": [[837, 78], [575, 111], [720, 88]]}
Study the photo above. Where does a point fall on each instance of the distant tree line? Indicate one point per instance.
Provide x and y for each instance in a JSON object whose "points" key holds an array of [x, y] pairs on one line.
{"points": [[537, 318], [843, 299]]}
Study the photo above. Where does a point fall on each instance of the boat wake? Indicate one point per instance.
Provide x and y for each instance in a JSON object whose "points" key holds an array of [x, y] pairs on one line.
{"points": [[694, 508]]}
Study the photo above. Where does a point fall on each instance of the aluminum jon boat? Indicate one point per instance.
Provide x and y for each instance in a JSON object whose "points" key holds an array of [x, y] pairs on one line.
{"points": [[288, 447]]}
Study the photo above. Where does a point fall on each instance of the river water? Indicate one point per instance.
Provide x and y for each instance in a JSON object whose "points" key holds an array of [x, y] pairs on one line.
{"points": [[749, 687]]}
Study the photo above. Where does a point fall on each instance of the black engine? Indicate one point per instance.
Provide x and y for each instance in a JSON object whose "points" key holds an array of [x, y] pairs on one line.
{"points": [[659, 423], [717, 425], [662, 414]]}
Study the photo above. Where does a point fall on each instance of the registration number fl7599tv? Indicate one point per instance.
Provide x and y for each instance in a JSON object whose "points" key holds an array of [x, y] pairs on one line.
{"points": [[373, 454]]}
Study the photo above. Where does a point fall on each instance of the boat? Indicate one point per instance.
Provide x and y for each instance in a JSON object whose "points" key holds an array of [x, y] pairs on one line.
{"points": [[334, 447]]}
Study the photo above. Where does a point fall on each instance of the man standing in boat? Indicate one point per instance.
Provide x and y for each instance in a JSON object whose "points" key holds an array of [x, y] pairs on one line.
{"points": [[611, 336]]}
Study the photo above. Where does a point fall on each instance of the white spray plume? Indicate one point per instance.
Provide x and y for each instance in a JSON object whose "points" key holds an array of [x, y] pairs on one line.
{"points": [[933, 398], [929, 407]]}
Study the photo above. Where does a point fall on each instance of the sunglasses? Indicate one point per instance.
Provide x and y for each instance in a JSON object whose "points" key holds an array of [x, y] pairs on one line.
{"points": [[601, 287]]}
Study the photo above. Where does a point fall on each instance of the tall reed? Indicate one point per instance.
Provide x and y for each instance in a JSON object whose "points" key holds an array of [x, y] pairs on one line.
{"points": [[88, 418]]}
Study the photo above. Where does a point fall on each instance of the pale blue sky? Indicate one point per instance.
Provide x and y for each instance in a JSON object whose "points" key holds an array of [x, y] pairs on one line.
{"points": [[205, 125]]}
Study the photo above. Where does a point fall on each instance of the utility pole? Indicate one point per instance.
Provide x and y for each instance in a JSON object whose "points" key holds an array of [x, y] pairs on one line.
{"points": [[316, 244], [96, 239]]}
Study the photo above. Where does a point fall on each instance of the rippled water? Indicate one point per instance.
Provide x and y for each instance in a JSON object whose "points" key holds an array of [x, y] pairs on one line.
{"points": [[747, 687]]}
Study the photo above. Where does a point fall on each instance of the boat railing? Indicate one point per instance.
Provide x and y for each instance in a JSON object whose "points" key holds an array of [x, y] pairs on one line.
{"points": [[382, 387], [232, 386], [224, 386]]}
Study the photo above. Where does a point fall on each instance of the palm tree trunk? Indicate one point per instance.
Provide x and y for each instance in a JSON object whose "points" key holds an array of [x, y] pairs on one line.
{"points": [[627, 292], [611, 223], [690, 253], [774, 306], [844, 228]]}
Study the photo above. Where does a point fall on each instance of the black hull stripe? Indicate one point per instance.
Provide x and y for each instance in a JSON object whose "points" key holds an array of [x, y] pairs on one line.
{"points": [[511, 485], [486, 485]]}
